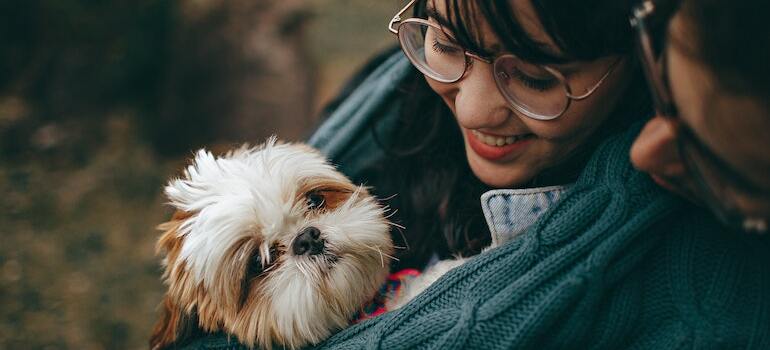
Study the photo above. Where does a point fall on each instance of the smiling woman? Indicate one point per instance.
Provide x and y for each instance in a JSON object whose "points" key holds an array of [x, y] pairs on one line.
{"points": [[511, 95], [506, 98]]}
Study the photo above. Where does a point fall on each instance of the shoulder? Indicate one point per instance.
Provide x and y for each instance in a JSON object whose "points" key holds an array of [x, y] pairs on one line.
{"points": [[695, 278], [617, 263], [369, 104], [718, 281]]}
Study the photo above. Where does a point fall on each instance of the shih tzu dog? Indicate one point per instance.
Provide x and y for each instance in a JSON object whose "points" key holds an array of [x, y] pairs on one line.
{"points": [[271, 245]]}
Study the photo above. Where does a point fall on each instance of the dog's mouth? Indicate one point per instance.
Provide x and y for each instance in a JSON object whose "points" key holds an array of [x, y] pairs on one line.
{"points": [[326, 258]]}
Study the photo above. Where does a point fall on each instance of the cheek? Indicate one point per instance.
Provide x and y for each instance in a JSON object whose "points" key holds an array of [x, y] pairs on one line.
{"points": [[447, 92], [583, 117]]}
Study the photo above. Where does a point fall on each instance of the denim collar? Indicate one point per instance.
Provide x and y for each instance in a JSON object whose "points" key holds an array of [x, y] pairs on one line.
{"points": [[510, 212]]}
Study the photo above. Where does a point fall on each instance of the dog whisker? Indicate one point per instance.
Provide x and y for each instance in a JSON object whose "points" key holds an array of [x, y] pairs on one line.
{"points": [[301, 269], [397, 225], [388, 255], [390, 197], [382, 260], [400, 230], [382, 255]]}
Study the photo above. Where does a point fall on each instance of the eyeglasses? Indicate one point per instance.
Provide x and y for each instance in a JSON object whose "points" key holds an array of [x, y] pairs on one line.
{"points": [[536, 91], [715, 181]]}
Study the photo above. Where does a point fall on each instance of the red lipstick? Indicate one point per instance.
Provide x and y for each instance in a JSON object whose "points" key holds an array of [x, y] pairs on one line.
{"points": [[494, 152]]}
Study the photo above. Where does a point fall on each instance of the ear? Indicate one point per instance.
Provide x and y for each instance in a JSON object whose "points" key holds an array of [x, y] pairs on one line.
{"points": [[174, 326], [169, 242]]}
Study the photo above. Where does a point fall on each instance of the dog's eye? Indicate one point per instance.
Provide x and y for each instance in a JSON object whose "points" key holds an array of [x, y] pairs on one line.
{"points": [[255, 265], [315, 200]]}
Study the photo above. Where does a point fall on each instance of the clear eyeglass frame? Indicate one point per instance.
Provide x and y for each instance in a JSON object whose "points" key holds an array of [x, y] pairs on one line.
{"points": [[397, 22], [687, 143]]}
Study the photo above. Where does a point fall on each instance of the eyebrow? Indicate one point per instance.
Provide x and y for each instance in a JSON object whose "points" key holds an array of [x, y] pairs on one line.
{"points": [[431, 12]]}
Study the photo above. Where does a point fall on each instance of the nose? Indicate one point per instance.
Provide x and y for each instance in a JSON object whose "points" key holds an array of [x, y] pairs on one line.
{"points": [[478, 102], [308, 241], [655, 150]]}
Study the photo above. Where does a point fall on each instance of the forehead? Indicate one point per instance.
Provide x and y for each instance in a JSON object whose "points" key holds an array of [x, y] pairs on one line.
{"points": [[524, 13]]}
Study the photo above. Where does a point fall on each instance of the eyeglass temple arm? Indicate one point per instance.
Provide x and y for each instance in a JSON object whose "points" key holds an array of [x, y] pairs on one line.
{"points": [[598, 83], [644, 46], [637, 20], [397, 17]]}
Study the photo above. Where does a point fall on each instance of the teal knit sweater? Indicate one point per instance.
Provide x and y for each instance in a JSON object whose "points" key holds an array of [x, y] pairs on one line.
{"points": [[617, 263]]}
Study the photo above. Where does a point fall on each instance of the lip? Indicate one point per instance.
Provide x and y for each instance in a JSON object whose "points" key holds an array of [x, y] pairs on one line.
{"points": [[494, 152]]}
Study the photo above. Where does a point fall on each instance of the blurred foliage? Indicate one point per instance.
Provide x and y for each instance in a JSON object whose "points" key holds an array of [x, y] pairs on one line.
{"points": [[74, 60], [102, 101]]}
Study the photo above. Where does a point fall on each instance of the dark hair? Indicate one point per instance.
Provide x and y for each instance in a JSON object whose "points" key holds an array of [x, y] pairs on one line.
{"points": [[437, 196], [733, 40]]}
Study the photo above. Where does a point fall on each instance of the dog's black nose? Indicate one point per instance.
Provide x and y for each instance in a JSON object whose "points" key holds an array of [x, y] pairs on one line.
{"points": [[308, 242]]}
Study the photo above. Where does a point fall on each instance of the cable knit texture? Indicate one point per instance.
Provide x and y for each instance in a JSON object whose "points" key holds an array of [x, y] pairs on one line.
{"points": [[617, 263]]}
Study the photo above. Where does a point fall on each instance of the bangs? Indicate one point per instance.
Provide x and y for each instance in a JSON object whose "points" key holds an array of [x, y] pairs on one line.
{"points": [[582, 30]]}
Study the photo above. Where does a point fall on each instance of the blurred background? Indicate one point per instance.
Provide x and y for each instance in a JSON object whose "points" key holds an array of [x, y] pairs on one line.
{"points": [[102, 101]]}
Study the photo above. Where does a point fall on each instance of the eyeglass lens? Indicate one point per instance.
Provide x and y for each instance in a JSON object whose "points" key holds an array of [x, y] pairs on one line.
{"points": [[525, 85], [432, 51]]}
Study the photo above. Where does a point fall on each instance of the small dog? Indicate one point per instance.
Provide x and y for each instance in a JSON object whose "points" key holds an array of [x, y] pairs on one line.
{"points": [[269, 244]]}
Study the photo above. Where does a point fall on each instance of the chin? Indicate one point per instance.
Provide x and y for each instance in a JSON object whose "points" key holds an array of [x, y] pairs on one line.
{"points": [[269, 244], [506, 175]]}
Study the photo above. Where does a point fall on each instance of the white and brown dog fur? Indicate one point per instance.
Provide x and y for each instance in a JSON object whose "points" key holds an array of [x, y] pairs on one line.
{"points": [[269, 244]]}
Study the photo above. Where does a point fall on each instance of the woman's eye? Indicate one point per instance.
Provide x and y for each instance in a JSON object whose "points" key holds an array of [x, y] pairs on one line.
{"points": [[441, 42], [315, 200], [533, 83], [443, 48]]}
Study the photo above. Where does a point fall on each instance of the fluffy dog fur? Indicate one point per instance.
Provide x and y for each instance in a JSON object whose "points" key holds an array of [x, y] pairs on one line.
{"points": [[228, 251]]}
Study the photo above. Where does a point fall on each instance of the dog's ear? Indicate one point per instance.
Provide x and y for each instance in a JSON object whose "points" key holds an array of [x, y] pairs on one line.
{"points": [[174, 327], [169, 242]]}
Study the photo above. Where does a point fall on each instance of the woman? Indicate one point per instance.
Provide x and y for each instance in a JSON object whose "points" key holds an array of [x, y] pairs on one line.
{"points": [[440, 151], [717, 112], [614, 263]]}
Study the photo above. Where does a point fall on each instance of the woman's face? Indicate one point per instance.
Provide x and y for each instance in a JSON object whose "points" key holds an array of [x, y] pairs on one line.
{"points": [[732, 128], [528, 146]]}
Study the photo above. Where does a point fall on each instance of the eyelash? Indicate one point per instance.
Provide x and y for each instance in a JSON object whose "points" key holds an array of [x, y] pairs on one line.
{"points": [[533, 83], [530, 82], [441, 48]]}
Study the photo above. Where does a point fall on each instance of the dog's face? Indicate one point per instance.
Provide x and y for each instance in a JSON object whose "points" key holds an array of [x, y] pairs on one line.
{"points": [[270, 244]]}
